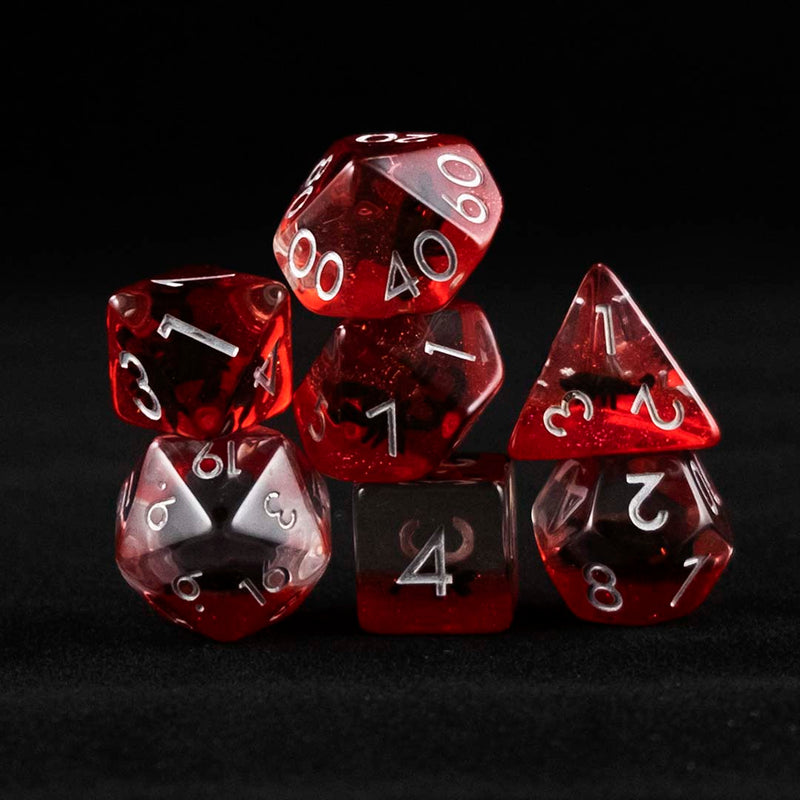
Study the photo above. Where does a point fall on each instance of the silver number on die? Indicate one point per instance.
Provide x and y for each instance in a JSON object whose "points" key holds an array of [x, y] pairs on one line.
{"points": [[388, 407], [649, 481], [562, 410], [153, 411]]}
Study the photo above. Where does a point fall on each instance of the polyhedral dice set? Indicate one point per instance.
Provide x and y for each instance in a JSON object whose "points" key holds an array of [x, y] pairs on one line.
{"points": [[224, 524]]}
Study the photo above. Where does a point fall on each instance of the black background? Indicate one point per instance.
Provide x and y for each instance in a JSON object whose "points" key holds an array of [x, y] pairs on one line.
{"points": [[661, 143]]}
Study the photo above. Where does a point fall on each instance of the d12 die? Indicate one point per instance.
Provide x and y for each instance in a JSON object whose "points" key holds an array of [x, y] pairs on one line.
{"points": [[634, 539], [200, 351], [388, 400], [388, 223], [438, 555], [225, 536], [609, 385]]}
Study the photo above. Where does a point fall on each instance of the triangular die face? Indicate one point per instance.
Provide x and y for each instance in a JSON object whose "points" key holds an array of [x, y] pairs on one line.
{"points": [[609, 385]]}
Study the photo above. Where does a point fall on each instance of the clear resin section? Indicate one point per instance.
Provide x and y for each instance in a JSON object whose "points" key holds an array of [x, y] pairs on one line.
{"points": [[224, 536], [438, 555], [632, 540]]}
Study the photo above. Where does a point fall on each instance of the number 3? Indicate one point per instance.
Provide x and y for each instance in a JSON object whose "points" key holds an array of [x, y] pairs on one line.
{"points": [[563, 411], [126, 360]]}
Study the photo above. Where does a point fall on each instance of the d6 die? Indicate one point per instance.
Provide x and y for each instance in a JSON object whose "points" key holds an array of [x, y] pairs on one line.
{"points": [[632, 539], [438, 555], [388, 400], [200, 351], [388, 223], [224, 536]]}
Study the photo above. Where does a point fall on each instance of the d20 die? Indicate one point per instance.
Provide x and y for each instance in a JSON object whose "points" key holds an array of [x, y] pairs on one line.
{"points": [[200, 351], [388, 223], [388, 400], [633, 539], [224, 536], [438, 555]]}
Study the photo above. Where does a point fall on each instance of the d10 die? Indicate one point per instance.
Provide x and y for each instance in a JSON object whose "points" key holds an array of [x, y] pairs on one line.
{"points": [[634, 539], [609, 385], [388, 400], [438, 555], [388, 223], [200, 351], [224, 536]]}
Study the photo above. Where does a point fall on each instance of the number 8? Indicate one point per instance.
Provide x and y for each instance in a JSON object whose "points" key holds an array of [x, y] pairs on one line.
{"points": [[608, 585]]}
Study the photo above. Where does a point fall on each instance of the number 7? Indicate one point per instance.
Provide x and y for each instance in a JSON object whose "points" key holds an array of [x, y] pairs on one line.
{"points": [[696, 562], [389, 409]]}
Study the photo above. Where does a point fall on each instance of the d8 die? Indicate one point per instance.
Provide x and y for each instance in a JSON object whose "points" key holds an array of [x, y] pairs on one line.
{"points": [[388, 223], [438, 555], [224, 536], [388, 400], [633, 539], [200, 351]]}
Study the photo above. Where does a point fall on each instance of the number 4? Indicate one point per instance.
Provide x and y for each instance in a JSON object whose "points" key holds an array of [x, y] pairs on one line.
{"points": [[440, 578]]}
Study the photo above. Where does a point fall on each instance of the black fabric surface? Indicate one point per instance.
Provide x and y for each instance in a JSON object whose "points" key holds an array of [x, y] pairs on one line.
{"points": [[145, 141]]}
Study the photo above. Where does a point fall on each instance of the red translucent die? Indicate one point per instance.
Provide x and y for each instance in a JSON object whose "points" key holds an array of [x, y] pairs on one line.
{"points": [[200, 351], [388, 223], [609, 385], [438, 555], [224, 536], [632, 539], [388, 400]]}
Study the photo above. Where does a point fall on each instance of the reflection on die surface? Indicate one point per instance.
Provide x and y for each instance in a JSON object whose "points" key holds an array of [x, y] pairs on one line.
{"points": [[388, 223], [200, 351], [224, 536], [438, 555], [632, 539]]}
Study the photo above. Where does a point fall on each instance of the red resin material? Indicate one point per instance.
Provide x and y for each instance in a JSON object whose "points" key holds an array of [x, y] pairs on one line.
{"points": [[632, 540], [200, 351], [438, 555], [387, 400], [609, 385], [485, 604], [225, 536], [388, 223]]}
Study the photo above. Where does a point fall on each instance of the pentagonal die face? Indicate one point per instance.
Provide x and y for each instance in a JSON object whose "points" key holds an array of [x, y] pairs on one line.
{"points": [[200, 351], [632, 540], [388, 400], [388, 223], [224, 536]]}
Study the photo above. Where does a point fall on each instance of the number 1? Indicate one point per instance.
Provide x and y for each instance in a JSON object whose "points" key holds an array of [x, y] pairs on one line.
{"points": [[432, 347], [170, 323], [604, 309]]}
